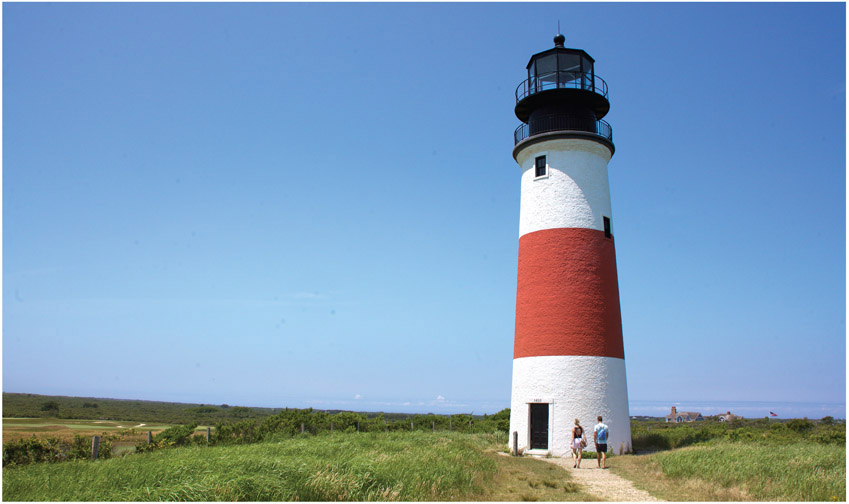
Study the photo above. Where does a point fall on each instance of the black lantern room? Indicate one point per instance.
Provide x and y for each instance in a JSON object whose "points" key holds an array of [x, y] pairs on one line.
{"points": [[562, 94]]}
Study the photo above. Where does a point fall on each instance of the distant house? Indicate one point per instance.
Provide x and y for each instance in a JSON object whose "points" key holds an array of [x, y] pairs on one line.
{"points": [[727, 417], [683, 416]]}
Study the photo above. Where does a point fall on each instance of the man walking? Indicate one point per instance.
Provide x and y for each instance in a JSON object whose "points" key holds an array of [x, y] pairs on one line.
{"points": [[600, 432]]}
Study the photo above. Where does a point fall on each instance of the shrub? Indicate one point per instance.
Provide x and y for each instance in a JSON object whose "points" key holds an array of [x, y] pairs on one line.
{"points": [[202, 410], [743, 434], [651, 441], [830, 436], [179, 435], [800, 425], [240, 412], [502, 420], [238, 432], [50, 406], [34, 450], [345, 421], [29, 451]]}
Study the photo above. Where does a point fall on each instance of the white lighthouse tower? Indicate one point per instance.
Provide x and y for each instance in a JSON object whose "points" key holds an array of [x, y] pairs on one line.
{"points": [[568, 356]]}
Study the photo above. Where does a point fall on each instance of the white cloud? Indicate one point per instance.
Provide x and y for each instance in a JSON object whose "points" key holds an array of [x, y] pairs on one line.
{"points": [[308, 295], [440, 398], [358, 396]]}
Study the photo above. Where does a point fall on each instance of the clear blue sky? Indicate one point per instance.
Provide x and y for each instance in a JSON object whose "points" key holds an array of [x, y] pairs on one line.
{"points": [[316, 204]]}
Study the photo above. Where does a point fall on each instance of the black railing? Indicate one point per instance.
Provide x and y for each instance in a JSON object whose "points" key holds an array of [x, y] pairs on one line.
{"points": [[551, 123], [556, 80]]}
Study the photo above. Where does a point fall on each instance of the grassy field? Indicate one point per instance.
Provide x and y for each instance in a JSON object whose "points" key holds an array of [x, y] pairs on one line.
{"points": [[412, 466], [526, 479], [127, 434], [42, 406], [18, 428], [91, 408], [798, 460], [740, 472], [761, 460]]}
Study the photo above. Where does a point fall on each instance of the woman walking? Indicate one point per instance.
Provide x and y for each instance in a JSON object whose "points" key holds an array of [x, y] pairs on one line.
{"points": [[578, 443]]}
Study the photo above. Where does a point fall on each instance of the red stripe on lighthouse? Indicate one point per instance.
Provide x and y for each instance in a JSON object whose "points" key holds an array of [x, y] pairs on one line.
{"points": [[567, 300]]}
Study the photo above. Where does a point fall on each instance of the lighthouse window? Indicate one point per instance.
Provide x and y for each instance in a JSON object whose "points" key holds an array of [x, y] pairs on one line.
{"points": [[570, 69], [607, 227], [544, 70], [540, 167]]}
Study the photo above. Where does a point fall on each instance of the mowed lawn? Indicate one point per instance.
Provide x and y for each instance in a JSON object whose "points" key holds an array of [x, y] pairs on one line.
{"points": [[65, 429]]}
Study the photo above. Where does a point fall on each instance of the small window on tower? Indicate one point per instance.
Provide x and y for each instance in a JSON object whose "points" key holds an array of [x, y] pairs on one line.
{"points": [[607, 227], [540, 167]]}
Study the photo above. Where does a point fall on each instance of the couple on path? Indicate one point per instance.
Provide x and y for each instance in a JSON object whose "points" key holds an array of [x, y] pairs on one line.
{"points": [[600, 432]]}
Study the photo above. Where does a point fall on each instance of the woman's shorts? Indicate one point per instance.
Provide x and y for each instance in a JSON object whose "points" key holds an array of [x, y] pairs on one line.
{"points": [[576, 444]]}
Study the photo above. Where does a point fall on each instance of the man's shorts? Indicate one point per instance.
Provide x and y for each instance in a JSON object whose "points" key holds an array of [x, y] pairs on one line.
{"points": [[601, 448]]}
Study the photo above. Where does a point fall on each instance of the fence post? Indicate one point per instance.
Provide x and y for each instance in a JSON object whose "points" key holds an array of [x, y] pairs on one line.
{"points": [[207, 435], [515, 443], [433, 426], [149, 437], [385, 426], [331, 426], [302, 427], [95, 447], [358, 426], [411, 426], [450, 427]]}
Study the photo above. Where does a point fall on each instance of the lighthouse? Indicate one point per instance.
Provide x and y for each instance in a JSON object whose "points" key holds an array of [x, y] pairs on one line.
{"points": [[568, 355]]}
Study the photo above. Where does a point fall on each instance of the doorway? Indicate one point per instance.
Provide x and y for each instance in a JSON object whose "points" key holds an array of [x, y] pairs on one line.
{"points": [[539, 426]]}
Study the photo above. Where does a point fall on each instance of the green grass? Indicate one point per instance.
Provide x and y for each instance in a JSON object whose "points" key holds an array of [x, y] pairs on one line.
{"points": [[37, 423], [31, 405], [653, 436], [526, 479], [800, 471], [64, 407], [396, 466]]}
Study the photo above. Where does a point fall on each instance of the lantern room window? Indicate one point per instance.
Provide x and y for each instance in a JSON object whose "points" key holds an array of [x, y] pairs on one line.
{"points": [[559, 68]]}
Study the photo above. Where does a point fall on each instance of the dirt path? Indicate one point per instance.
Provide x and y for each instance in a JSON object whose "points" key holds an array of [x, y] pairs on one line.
{"points": [[601, 482]]}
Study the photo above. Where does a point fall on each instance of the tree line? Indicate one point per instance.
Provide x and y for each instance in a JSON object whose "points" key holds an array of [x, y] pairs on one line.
{"points": [[89, 408]]}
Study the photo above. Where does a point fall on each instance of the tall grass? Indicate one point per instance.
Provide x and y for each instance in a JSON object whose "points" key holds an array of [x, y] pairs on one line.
{"points": [[742, 459], [652, 436], [412, 466], [796, 472]]}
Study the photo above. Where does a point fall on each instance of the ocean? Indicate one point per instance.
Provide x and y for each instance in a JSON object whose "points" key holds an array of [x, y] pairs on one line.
{"points": [[747, 409]]}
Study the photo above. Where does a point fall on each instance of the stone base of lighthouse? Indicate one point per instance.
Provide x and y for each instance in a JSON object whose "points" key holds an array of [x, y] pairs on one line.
{"points": [[563, 388]]}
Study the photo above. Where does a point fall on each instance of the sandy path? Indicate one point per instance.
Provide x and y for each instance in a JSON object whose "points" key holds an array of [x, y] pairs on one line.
{"points": [[601, 482]]}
